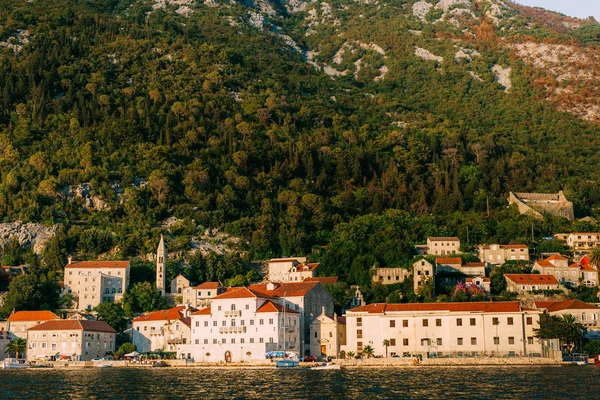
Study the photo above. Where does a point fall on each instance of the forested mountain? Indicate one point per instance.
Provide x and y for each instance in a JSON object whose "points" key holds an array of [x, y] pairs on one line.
{"points": [[294, 124]]}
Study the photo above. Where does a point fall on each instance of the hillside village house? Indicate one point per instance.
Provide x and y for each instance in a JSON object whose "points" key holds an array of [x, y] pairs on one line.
{"points": [[291, 269], [583, 243], [500, 253], [460, 329], [586, 314], [390, 276], [473, 269], [178, 284], [18, 322], [308, 298], [569, 275], [70, 339], [443, 246], [527, 283], [328, 334], [162, 330], [242, 325], [480, 282], [201, 295], [422, 271], [94, 282]]}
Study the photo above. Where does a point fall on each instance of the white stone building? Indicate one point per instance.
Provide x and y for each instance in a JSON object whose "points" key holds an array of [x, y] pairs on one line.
{"points": [[444, 329], [583, 243], [201, 295], [18, 322], [527, 283], [569, 275], [422, 271], [179, 284], [443, 246], [480, 282], [328, 335], [585, 313], [94, 282], [77, 340], [242, 325], [390, 276], [500, 253], [162, 330], [291, 269], [161, 266]]}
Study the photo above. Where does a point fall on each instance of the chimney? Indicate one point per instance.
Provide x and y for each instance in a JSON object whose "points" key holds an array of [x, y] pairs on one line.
{"points": [[70, 260]]}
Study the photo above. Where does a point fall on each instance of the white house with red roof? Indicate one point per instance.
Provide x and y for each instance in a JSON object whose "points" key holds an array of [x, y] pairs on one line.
{"points": [[94, 282], [294, 269], [527, 283], [242, 325], [480, 282], [162, 330], [585, 313], [583, 243], [500, 253], [18, 322], [443, 329], [76, 340], [200, 296], [568, 274]]}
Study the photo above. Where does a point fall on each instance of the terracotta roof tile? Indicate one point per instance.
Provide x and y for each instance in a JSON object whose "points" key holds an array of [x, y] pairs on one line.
{"points": [[378, 308], [289, 289], [73, 324], [163, 315], [448, 260], [574, 304], [207, 285], [474, 264], [98, 264], [241, 293], [269, 306], [443, 239], [532, 279], [204, 311], [32, 316], [323, 280], [556, 257]]}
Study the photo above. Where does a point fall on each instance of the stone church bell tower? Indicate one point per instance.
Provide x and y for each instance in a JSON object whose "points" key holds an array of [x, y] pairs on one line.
{"points": [[161, 264]]}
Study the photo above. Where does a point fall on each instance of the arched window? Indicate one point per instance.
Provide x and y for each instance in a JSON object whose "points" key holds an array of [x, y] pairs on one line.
{"points": [[106, 291], [114, 290], [233, 307]]}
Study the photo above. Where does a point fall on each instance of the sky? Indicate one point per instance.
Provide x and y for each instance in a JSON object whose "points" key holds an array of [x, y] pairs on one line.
{"points": [[572, 8]]}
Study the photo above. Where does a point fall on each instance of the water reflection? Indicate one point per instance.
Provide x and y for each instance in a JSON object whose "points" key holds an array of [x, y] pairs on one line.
{"points": [[188, 383]]}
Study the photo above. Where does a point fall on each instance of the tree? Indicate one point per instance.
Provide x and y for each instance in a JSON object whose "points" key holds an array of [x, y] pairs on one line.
{"points": [[595, 258], [565, 328], [350, 354], [125, 348], [386, 343], [31, 291], [368, 351], [16, 346], [143, 297], [113, 314]]}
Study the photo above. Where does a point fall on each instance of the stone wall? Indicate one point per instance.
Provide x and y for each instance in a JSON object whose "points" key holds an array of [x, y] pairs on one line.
{"points": [[552, 203]]}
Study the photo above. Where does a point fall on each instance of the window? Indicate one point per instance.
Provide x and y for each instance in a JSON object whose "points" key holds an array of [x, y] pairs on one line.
{"points": [[439, 341], [232, 340], [223, 340], [315, 334], [270, 340], [219, 308], [214, 341], [198, 324], [197, 341], [224, 323], [233, 307], [270, 321], [496, 340], [509, 320], [438, 322], [251, 340], [247, 306], [405, 323], [392, 342], [206, 323], [511, 340], [392, 323], [529, 321], [425, 322], [242, 322], [473, 322], [359, 346], [405, 342], [242, 340], [458, 321], [495, 321], [359, 333], [359, 321], [473, 341], [251, 322], [214, 323], [530, 340], [233, 322], [459, 341], [261, 340]]}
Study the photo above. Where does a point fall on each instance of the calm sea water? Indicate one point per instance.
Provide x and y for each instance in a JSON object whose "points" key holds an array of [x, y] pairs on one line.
{"points": [[423, 382]]}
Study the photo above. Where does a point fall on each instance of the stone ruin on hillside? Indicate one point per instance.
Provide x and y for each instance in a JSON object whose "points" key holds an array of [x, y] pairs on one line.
{"points": [[537, 203]]}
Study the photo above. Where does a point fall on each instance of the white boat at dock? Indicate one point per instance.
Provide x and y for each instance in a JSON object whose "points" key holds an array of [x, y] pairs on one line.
{"points": [[14, 363], [326, 366]]}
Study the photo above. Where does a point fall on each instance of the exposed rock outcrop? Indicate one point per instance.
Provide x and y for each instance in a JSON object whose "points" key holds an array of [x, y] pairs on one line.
{"points": [[29, 235]]}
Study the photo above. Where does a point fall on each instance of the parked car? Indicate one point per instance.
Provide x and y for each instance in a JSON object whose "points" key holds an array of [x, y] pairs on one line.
{"points": [[310, 359]]}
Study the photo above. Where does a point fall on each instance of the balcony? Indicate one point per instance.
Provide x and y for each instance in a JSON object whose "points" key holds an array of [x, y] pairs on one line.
{"points": [[233, 313], [232, 329], [176, 341]]}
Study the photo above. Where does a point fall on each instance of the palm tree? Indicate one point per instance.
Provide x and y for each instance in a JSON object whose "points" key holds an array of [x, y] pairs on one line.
{"points": [[350, 354], [368, 351], [16, 346], [386, 343], [573, 330], [595, 258]]}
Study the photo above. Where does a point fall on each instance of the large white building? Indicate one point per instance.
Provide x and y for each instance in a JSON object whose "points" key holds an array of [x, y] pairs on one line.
{"points": [[162, 330], [94, 282], [453, 329], [242, 325]]}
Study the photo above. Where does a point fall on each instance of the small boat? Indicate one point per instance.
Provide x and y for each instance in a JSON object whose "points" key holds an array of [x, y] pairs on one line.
{"points": [[14, 363], [326, 366], [286, 363], [101, 363]]}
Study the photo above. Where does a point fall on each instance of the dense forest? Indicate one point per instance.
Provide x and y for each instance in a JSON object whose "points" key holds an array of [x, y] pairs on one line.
{"points": [[221, 124]]}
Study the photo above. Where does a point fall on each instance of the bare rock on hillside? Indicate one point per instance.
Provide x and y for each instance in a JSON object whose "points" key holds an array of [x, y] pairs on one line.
{"points": [[29, 235]]}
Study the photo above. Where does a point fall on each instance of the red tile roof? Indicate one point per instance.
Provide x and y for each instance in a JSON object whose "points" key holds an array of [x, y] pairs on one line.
{"points": [[32, 316], [555, 257], [241, 293], [207, 285], [204, 311], [585, 260], [575, 304], [290, 289], [443, 239], [379, 308], [514, 246], [323, 280], [98, 264], [474, 264], [163, 315], [532, 279], [448, 260], [484, 279], [269, 306], [74, 325], [544, 263]]}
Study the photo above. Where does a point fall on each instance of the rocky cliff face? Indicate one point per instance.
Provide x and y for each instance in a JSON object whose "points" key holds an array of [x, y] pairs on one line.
{"points": [[29, 235]]}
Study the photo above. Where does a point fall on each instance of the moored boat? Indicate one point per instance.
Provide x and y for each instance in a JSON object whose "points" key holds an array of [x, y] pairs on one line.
{"points": [[14, 363], [327, 366], [286, 363], [101, 363]]}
